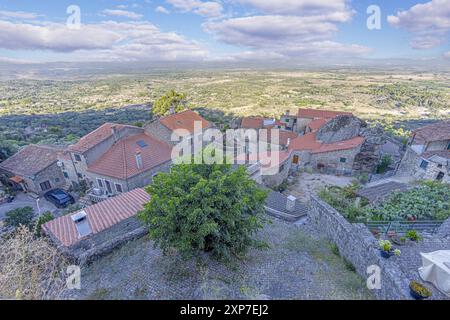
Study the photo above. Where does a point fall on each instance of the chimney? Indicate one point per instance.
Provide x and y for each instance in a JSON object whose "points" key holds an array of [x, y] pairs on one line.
{"points": [[114, 132], [172, 110], [138, 159], [288, 142], [290, 203], [81, 223]]}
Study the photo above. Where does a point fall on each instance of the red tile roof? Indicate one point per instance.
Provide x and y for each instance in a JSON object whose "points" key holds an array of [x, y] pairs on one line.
{"points": [[433, 132], [283, 136], [308, 142], [95, 137], [340, 145], [184, 120], [252, 122], [100, 216], [316, 124], [315, 113], [120, 160], [31, 160]]}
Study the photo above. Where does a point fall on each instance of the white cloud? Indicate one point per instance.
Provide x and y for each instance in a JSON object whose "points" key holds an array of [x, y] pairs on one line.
{"points": [[55, 37], [106, 41], [287, 36], [298, 7], [20, 15], [161, 9], [429, 22], [203, 8], [122, 13], [447, 55], [267, 31]]}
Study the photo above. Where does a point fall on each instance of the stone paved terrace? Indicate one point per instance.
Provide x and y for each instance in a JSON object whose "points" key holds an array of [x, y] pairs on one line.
{"points": [[410, 260], [298, 265]]}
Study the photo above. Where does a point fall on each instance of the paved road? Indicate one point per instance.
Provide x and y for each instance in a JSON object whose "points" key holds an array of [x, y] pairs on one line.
{"points": [[23, 200]]}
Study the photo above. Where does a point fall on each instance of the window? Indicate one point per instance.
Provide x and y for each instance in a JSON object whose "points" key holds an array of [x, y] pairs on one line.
{"points": [[343, 160], [108, 186], [439, 166], [424, 164], [448, 147], [45, 185], [66, 175], [77, 157], [100, 183], [440, 176], [119, 188]]}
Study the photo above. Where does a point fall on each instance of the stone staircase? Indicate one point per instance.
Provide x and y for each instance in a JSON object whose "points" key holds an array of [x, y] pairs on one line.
{"points": [[85, 201]]}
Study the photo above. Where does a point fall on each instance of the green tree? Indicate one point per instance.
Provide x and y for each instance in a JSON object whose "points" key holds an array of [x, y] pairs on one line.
{"points": [[19, 216], [171, 99], [7, 149], [45, 217], [205, 208]]}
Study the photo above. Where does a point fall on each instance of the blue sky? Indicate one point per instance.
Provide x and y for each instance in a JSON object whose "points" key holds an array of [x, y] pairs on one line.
{"points": [[222, 30]]}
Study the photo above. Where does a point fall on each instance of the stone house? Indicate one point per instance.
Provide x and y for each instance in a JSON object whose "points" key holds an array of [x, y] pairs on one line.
{"points": [[98, 229], [116, 158], [34, 169], [186, 124], [312, 119], [427, 153]]}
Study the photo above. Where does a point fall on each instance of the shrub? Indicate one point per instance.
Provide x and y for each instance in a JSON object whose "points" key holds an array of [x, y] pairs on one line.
{"points": [[19, 216], [428, 201], [413, 235], [45, 217], [205, 208]]}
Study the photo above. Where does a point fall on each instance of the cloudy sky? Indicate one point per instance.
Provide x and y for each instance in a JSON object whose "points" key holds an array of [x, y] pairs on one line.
{"points": [[223, 30]]}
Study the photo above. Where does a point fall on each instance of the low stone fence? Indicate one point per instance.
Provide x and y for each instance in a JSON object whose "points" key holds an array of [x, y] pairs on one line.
{"points": [[357, 245]]}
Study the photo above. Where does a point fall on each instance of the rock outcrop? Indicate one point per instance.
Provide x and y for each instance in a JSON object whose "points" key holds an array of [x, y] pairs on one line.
{"points": [[367, 159], [339, 129]]}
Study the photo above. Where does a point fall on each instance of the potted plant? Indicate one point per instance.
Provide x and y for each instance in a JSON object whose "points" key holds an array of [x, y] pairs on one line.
{"points": [[386, 249], [419, 291]]}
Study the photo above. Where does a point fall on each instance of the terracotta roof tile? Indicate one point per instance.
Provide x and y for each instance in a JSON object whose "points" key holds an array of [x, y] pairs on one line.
{"points": [[316, 113], [433, 132], [100, 216], [31, 160], [284, 136], [252, 122], [184, 120], [95, 137], [308, 142], [120, 160], [316, 124]]}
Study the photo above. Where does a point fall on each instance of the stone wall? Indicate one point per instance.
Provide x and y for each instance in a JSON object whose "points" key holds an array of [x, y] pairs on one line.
{"points": [[330, 162], [277, 179], [410, 166], [357, 245], [444, 229]]}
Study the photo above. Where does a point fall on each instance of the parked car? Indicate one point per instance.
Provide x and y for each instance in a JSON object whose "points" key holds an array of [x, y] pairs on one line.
{"points": [[59, 198]]}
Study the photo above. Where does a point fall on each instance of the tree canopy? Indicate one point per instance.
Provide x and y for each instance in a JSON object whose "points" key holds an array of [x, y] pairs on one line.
{"points": [[170, 99], [205, 208]]}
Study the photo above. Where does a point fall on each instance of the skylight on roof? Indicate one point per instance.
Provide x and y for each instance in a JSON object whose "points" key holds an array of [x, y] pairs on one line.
{"points": [[142, 144]]}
